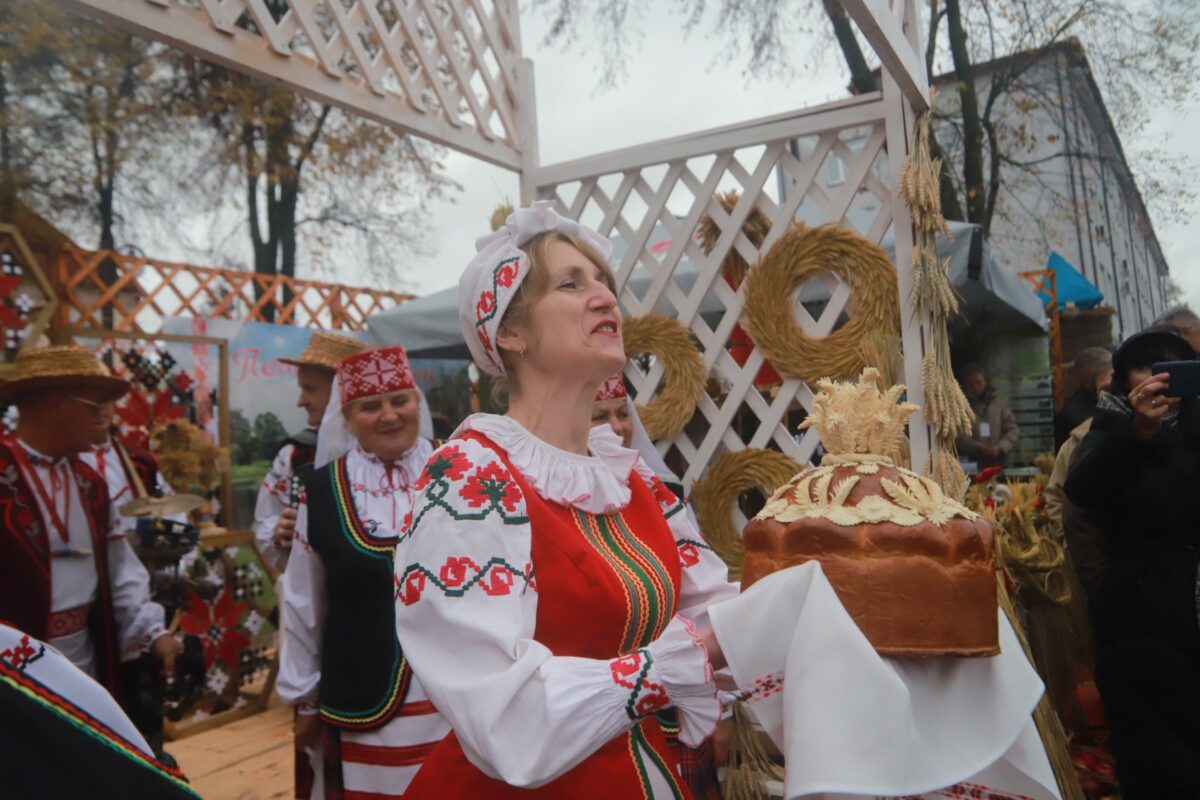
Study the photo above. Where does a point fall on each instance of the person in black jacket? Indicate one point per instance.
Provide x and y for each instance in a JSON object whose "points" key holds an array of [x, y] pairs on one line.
{"points": [[1139, 469]]}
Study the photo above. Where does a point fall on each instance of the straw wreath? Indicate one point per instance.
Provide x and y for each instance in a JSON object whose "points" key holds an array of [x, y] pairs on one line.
{"points": [[799, 255], [756, 227], [726, 478], [667, 340]]}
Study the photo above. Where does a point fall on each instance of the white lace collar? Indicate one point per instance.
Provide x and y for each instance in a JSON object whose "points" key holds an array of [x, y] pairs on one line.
{"points": [[596, 483]]}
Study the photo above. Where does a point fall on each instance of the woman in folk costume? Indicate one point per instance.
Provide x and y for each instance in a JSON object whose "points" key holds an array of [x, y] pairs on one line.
{"points": [[614, 407], [342, 664], [544, 596]]}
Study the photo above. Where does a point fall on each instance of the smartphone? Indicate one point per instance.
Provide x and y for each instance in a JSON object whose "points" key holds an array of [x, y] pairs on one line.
{"points": [[1184, 380]]}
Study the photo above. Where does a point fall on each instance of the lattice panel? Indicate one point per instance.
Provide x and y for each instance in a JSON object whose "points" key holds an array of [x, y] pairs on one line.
{"points": [[827, 165], [139, 292], [446, 70]]}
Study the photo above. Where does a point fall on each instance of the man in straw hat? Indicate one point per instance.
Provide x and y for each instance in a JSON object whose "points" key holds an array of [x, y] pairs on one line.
{"points": [[279, 495], [67, 575]]}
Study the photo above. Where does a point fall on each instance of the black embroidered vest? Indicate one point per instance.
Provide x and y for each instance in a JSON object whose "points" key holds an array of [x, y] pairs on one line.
{"points": [[25, 559], [364, 675]]}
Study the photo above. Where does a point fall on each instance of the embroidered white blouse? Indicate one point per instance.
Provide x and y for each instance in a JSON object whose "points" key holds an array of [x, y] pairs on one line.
{"points": [[73, 578], [522, 714], [274, 495], [382, 498]]}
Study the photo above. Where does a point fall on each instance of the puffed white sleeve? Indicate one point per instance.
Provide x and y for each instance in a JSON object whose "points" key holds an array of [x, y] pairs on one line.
{"points": [[139, 620], [273, 497], [305, 606], [466, 610], [704, 577]]}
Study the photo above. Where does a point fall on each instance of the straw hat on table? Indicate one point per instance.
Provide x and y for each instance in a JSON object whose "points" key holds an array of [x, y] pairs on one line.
{"points": [[60, 367], [325, 350]]}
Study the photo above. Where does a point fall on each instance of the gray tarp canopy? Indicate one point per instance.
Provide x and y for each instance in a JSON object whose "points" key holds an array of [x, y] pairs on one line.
{"points": [[428, 327]]}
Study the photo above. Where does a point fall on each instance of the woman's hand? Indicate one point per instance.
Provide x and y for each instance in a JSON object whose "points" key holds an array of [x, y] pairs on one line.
{"points": [[716, 656], [307, 730], [1149, 406], [722, 740]]}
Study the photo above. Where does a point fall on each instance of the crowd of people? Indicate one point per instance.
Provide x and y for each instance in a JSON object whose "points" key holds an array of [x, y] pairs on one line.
{"points": [[522, 610]]}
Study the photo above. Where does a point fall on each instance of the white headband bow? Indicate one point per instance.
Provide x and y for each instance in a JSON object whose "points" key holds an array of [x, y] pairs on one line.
{"points": [[490, 281]]}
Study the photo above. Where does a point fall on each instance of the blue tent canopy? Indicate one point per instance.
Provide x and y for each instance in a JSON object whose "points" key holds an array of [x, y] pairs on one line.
{"points": [[1073, 288]]}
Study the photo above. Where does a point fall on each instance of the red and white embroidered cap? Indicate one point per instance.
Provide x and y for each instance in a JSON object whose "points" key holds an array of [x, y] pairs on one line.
{"points": [[493, 276], [374, 372], [612, 389]]}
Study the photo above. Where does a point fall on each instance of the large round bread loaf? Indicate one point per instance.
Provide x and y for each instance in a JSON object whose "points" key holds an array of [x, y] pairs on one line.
{"points": [[914, 568]]}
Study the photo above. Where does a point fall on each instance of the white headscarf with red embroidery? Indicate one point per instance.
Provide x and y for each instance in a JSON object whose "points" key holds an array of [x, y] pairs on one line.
{"points": [[490, 281], [373, 372]]}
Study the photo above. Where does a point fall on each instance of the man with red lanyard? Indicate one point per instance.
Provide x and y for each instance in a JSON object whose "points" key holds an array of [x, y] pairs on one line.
{"points": [[67, 575], [130, 473]]}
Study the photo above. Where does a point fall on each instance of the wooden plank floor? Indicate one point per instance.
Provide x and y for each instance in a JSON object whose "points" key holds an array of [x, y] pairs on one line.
{"points": [[249, 759]]}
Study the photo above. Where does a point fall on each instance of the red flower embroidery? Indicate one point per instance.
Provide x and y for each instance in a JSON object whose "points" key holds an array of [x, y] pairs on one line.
{"points": [[498, 582], [652, 698], [485, 306], [414, 587], [216, 625], [25, 519], [455, 571], [662, 494], [624, 667], [449, 462], [689, 556], [484, 339], [407, 523], [506, 274], [491, 484]]}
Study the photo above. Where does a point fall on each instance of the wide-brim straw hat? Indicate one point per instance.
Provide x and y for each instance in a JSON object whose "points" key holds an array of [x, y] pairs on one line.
{"points": [[60, 367], [325, 350]]}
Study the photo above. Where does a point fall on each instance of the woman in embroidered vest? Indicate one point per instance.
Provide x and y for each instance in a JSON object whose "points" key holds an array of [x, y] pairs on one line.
{"points": [[614, 407], [551, 593], [363, 716]]}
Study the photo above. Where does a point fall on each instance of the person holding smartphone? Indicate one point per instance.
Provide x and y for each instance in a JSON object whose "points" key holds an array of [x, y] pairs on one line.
{"points": [[1138, 469]]}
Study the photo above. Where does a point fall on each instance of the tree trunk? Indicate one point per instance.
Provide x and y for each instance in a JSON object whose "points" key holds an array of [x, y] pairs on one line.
{"points": [[972, 124], [289, 194], [862, 78]]}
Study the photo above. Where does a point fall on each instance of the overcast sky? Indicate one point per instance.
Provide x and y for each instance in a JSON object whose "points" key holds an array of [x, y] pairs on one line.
{"points": [[677, 83]]}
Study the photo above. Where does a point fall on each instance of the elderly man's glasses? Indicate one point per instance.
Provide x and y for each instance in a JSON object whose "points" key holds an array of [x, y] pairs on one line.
{"points": [[92, 404]]}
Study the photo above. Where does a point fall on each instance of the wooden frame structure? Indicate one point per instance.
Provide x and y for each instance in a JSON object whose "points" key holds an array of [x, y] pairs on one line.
{"points": [[20, 263], [141, 291], [452, 71], [1046, 280]]}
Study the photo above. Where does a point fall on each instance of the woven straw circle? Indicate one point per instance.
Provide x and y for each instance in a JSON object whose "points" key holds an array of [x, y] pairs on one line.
{"points": [[325, 350], [799, 255], [683, 385], [756, 227], [727, 477]]}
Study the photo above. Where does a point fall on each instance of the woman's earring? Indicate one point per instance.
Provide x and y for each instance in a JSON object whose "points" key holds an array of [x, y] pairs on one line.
{"points": [[522, 351]]}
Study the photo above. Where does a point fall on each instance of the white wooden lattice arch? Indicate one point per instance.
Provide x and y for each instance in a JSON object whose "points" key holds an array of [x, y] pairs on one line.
{"points": [[452, 71]]}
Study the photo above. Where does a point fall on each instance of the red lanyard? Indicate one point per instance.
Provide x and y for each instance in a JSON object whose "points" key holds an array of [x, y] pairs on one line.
{"points": [[102, 468], [22, 457]]}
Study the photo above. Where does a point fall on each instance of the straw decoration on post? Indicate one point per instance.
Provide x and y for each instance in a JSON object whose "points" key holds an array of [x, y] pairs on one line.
{"points": [[946, 408]]}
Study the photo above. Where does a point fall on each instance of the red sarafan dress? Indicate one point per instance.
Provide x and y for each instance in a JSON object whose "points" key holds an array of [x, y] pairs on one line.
{"points": [[548, 603]]}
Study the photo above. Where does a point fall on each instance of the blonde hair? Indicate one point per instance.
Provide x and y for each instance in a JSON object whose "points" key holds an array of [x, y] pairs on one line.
{"points": [[536, 286]]}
